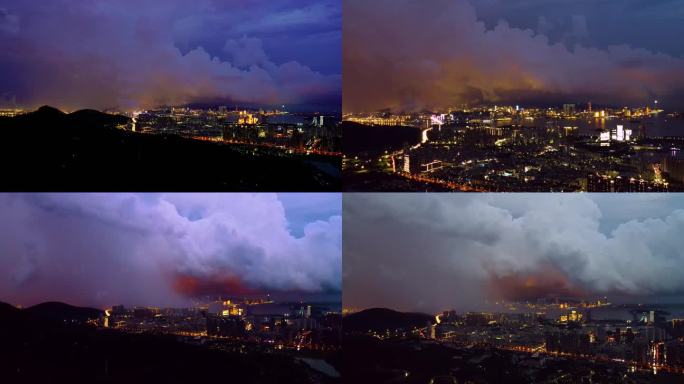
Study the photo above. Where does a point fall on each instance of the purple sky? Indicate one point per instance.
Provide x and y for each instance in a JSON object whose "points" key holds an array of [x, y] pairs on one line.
{"points": [[141, 53], [167, 249], [413, 55]]}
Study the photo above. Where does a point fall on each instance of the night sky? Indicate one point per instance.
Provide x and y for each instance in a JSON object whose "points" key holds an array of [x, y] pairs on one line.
{"points": [[432, 252], [408, 55], [168, 249], [131, 54]]}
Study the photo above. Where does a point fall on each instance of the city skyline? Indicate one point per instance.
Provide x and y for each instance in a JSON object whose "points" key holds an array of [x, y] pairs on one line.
{"points": [[526, 53], [511, 148], [467, 252], [326, 191], [137, 55], [169, 250]]}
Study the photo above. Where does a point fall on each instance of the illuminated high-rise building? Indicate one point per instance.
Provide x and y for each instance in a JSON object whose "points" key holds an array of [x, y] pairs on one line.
{"points": [[317, 121], [407, 163], [246, 118], [620, 133]]}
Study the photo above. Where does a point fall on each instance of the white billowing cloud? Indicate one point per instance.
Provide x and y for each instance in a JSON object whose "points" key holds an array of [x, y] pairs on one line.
{"points": [[99, 249], [465, 249]]}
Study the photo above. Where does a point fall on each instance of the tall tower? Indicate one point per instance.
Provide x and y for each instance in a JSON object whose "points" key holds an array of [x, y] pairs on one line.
{"points": [[407, 163]]}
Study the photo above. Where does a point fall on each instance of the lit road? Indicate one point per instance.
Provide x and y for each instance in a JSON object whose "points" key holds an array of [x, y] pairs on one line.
{"points": [[303, 151], [425, 135], [449, 184]]}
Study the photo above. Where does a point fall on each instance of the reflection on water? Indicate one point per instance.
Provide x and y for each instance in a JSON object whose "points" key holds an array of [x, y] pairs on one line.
{"points": [[674, 311], [656, 126], [321, 366]]}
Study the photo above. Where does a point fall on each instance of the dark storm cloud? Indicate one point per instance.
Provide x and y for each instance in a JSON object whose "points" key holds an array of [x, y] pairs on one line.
{"points": [[436, 251], [649, 24], [407, 55], [160, 249], [130, 54]]}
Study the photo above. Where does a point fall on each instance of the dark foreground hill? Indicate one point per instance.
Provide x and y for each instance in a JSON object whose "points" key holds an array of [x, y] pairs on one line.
{"points": [[47, 314], [36, 349], [380, 319], [8, 311], [63, 312], [49, 150]]}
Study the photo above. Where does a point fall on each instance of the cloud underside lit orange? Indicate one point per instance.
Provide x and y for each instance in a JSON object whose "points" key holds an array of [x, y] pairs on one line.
{"points": [[226, 284], [543, 283]]}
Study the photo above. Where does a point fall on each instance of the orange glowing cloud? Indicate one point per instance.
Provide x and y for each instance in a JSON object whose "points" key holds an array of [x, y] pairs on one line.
{"points": [[409, 56], [545, 282], [194, 286]]}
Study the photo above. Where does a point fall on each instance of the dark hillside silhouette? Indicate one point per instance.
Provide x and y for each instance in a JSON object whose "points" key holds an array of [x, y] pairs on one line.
{"points": [[48, 150]]}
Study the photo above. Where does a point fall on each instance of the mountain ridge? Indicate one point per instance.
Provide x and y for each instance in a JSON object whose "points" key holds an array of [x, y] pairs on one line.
{"points": [[380, 319], [48, 150]]}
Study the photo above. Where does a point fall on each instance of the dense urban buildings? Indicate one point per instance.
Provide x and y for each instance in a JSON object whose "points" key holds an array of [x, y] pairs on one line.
{"points": [[297, 132], [512, 96], [238, 324], [174, 149], [520, 346], [342, 191], [526, 345], [509, 148], [170, 287], [56, 341], [519, 288], [171, 96]]}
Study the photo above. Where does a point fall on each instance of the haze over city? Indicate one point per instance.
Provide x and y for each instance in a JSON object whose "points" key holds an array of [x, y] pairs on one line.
{"points": [[405, 56], [433, 252], [168, 249]]}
